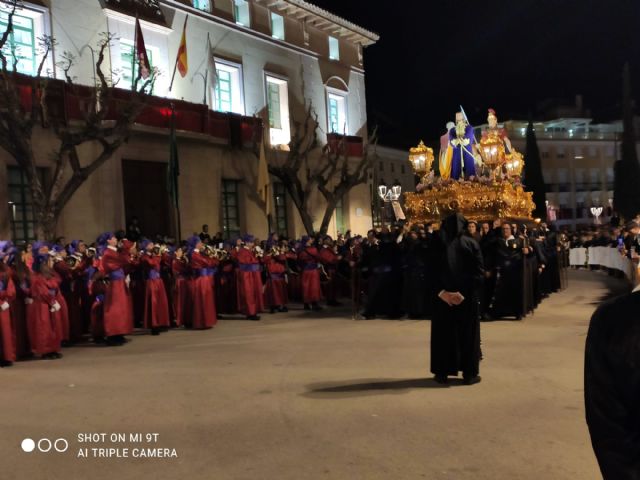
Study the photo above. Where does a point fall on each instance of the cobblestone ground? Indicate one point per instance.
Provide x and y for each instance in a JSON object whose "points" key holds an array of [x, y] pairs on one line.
{"points": [[303, 396]]}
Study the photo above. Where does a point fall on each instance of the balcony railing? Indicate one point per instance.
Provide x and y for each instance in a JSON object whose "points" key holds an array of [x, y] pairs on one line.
{"points": [[71, 103]]}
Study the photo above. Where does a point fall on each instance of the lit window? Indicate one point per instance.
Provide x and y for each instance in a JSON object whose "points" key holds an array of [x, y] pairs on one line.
{"points": [[337, 113], [278, 109], [334, 48], [202, 5], [277, 26], [128, 65], [22, 43], [241, 8], [227, 91]]}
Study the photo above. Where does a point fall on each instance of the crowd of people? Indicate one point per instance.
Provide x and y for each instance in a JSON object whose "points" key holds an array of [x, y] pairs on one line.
{"points": [[55, 295], [625, 238]]}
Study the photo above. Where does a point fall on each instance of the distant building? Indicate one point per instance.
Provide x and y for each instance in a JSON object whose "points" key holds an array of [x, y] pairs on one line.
{"points": [[578, 160]]}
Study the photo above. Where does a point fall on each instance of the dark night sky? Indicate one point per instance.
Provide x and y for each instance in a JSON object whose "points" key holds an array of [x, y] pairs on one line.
{"points": [[506, 54]]}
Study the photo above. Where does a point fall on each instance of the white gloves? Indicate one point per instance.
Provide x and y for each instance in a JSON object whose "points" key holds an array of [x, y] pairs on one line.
{"points": [[55, 307], [4, 306]]}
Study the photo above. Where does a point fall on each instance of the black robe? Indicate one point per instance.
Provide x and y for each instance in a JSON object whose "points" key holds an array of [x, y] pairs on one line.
{"points": [[417, 289], [508, 298], [612, 387], [455, 330]]}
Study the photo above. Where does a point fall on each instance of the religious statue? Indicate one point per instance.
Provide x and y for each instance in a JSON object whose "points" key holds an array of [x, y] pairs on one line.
{"points": [[514, 161], [460, 156]]}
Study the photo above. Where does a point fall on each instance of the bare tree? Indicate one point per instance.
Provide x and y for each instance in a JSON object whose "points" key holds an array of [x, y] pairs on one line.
{"points": [[338, 173], [295, 172], [330, 170], [106, 123]]}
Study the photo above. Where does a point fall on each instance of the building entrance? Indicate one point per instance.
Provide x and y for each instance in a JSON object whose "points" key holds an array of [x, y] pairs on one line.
{"points": [[146, 197]]}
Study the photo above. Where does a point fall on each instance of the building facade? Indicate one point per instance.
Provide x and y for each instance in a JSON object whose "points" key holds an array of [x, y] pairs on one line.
{"points": [[272, 58], [578, 160]]}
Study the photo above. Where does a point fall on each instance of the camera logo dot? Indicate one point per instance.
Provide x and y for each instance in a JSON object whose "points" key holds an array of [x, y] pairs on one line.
{"points": [[28, 445], [45, 445]]}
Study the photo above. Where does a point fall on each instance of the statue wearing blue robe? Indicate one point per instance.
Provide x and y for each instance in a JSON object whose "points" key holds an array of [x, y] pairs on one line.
{"points": [[461, 152]]}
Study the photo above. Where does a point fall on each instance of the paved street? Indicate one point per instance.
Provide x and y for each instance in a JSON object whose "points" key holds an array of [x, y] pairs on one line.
{"points": [[301, 397]]}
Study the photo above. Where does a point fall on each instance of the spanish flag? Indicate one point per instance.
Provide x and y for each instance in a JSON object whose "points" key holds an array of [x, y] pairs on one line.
{"points": [[181, 60]]}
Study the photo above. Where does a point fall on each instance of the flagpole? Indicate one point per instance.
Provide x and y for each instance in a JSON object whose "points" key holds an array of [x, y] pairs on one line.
{"points": [[134, 51], [206, 70], [174, 179], [175, 65]]}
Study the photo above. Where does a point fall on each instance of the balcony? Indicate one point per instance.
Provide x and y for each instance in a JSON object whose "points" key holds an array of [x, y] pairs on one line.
{"points": [[68, 103], [354, 146]]}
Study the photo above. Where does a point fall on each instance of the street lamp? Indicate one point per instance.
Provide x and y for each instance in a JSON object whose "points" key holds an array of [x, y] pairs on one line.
{"points": [[596, 212], [391, 196]]}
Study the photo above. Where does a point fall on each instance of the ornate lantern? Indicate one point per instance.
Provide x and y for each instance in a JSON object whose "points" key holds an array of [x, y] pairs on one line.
{"points": [[421, 158], [493, 154], [515, 164]]}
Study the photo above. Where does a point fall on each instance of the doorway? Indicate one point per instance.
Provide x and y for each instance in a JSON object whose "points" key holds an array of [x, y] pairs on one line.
{"points": [[146, 197]]}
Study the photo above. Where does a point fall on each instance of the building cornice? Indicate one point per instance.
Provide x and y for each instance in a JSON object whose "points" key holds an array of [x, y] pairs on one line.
{"points": [[323, 20], [186, 9]]}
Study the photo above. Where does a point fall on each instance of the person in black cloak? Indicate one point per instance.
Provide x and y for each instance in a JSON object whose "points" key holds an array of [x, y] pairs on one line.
{"points": [[612, 386], [455, 328]]}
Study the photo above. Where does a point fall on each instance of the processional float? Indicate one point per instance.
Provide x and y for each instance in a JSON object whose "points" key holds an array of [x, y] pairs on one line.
{"points": [[480, 179]]}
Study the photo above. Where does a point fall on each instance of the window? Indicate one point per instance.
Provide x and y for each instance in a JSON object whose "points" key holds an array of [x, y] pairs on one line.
{"points": [[230, 210], [402, 169], [280, 199], [241, 9], [545, 154], [337, 113], [22, 43], [278, 108], [334, 48], [277, 26], [20, 208], [340, 216], [129, 67], [202, 5], [381, 166], [393, 169], [227, 91]]}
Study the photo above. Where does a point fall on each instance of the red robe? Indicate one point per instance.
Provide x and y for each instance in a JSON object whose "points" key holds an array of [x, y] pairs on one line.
{"points": [[226, 288], [276, 288], [250, 295], [329, 261], [202, 291], [7, 331], [19, 316], [118, 312], [63, 275], [42, 324], [156, 306], [181, 292], [311, 292]]}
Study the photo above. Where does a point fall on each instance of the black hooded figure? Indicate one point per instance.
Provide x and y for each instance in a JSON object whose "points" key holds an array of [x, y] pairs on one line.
{"points": [[455, 329]]}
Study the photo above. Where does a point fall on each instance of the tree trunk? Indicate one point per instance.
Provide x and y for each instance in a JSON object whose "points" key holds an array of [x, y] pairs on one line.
{"points": [[328, 214], [307, 221], [46, 222]]}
